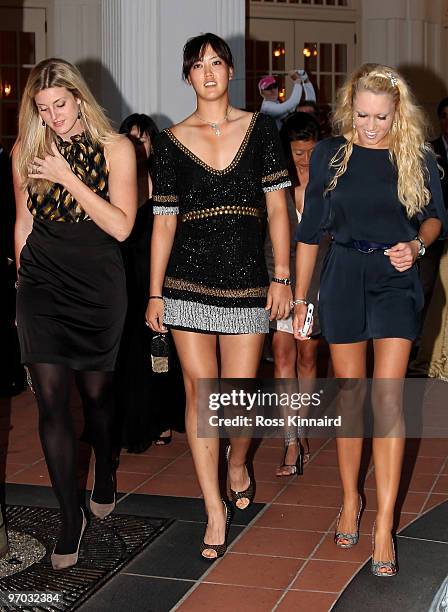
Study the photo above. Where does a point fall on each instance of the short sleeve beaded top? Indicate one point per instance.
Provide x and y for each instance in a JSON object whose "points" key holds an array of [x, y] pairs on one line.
{"points": [[216, 279], [88, 163]]}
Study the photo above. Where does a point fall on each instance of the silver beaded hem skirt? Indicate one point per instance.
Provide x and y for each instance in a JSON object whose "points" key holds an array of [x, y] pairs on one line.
{"points": [[199, 317]]}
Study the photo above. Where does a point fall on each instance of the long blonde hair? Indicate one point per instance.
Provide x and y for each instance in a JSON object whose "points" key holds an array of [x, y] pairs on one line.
{"points": [[35, 139], [407, 143]]}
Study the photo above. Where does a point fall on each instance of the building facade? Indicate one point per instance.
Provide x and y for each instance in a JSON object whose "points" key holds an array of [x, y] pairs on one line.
{"points": [[130, 50]]}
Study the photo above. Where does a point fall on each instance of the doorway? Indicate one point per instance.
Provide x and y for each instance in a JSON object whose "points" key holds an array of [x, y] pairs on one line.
{"points": [[22, 45], [326, 50]]}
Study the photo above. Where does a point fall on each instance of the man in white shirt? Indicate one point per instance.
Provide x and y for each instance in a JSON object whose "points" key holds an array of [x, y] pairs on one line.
{"points": [[268, 88]]}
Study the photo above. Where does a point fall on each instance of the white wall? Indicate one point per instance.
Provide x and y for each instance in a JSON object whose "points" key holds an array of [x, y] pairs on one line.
{"points": [[142, 52], [410, 35], [192, 18], [130, 51]]}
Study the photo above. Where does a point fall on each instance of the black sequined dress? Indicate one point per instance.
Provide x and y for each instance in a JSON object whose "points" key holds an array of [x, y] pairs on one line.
{"points": [[216, 280], [71, 296]]}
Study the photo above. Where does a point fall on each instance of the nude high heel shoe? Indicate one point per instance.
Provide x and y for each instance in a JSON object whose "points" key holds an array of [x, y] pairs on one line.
{"points": [[101, 510], [60, 562]]}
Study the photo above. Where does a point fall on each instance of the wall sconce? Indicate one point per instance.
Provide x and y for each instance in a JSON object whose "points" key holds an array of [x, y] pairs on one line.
{"points": [[307, 52], [5, 89]]}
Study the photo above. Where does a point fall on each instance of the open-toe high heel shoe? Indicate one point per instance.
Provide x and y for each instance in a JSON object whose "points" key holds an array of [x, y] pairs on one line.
{"points": [[102, 510], [164, 440], [60, 562], [350, 538], [383, 569], [219, 549], [295, 469], [249, 491]]}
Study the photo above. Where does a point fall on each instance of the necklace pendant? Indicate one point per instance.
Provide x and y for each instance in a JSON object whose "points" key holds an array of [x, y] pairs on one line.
{"points": [[215, 127]]}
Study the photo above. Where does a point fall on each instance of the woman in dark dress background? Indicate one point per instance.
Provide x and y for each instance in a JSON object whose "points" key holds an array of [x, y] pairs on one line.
{"points": [[148, 405], [376, 189], [76, 196]]}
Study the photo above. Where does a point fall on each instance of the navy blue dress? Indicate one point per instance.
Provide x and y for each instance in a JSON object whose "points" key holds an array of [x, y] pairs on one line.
{"points": [[362, 295]]}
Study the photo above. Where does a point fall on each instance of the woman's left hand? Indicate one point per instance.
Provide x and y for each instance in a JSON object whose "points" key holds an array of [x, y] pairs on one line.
{"points": [[279, 301], [53, 168], [403, 255]]}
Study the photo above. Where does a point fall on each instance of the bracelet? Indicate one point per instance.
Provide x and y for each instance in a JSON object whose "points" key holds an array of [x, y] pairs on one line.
{"points": [[299, 301], [155, 297], [281, 281], [16, 285]]}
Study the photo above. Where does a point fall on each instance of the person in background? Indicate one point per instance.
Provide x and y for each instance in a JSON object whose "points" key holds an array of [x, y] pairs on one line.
{"points": [[271, 105], [429, 263], [308, 106], [147, 403], [299, 134]]}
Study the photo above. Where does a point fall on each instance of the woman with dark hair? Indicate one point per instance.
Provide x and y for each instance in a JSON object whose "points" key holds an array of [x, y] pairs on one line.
{"points": [[147, 403], [293, 359], [213, 172]]}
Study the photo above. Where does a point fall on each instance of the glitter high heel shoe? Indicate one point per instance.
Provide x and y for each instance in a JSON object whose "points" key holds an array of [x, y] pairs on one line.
{"points": [[219, 549], [60, 562], [351, 538], [383, 569], [249, 491]]}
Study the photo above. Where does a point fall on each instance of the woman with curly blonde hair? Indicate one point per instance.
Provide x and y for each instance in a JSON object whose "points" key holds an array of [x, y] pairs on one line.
{"points": [[375, 187], [76, 195]]}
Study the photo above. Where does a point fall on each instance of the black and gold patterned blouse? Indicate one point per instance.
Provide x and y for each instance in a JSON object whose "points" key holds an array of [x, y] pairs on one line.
{"points": [[88, 163], [216, 279]]}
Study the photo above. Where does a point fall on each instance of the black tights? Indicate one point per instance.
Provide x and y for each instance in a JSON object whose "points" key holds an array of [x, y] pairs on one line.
{"points": [[51, 384]]}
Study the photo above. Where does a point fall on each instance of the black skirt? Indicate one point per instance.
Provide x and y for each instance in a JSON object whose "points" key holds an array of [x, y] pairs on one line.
{"points": [[71, 297]]}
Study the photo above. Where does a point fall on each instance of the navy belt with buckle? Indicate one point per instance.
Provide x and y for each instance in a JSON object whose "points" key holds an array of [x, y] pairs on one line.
{"points": [[366, 246]]}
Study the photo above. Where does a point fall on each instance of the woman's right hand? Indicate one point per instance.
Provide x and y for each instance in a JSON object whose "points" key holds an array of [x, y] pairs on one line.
{"points": [[154, 316], [299, 320]]}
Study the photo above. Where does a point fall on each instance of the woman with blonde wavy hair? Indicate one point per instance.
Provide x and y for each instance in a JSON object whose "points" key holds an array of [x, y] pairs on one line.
{"points": [[76, 194], [375, 187]]}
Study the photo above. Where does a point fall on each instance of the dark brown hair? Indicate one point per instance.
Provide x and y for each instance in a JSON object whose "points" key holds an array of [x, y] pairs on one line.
{"points": [[194, 51]]}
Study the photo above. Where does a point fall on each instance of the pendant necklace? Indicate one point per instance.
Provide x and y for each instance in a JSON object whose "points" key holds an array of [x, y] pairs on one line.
{"points": [[215, 124]]}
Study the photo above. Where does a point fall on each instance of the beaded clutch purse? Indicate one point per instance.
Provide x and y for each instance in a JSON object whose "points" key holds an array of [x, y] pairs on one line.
{"points": [[160, 354]]}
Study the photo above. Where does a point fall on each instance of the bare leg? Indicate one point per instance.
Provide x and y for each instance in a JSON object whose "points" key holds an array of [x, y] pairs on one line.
{"points": [[240, 357], [391, 360], [197, 355], [349, 361], [307, 372], [285, 355]]}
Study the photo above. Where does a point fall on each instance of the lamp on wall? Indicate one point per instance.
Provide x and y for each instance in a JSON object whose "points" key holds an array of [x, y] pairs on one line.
{"points": [[5, 89], [307, 52]]}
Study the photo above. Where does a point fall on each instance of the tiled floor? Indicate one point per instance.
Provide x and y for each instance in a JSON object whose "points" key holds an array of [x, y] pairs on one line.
{"points": [[285, 559]]}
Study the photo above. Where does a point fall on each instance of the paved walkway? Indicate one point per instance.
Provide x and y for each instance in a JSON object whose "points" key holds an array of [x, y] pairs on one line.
{"points": [[285, 559]]}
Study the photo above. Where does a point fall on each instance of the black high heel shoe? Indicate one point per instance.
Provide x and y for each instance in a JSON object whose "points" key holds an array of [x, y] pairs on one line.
{"points": [[296, 469], [248, 493], [219, 549]]}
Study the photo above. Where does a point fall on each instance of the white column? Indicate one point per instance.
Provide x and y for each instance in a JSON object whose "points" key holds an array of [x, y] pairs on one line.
{"points": [[231, 25], [140, 64], [77, 37], [111, 53], [142, 53]]}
